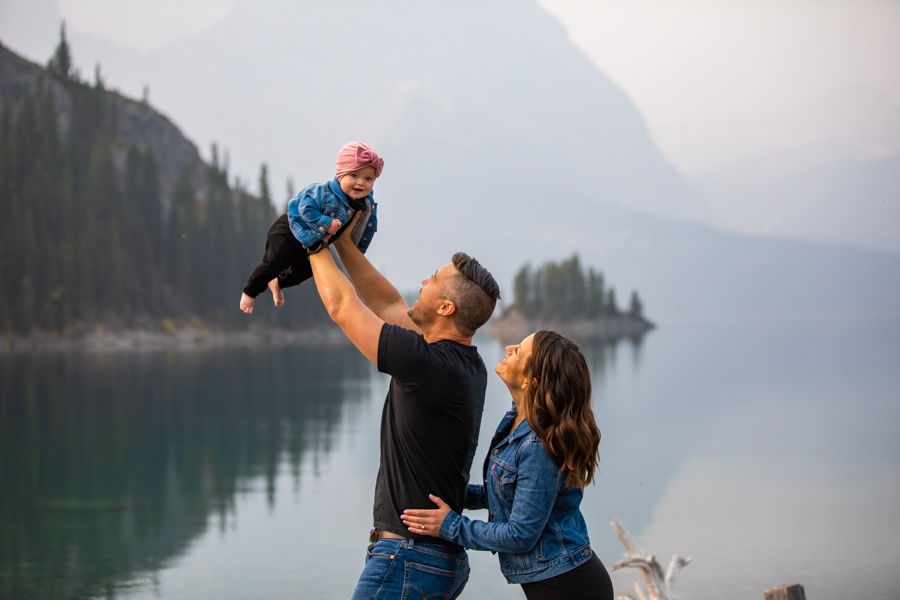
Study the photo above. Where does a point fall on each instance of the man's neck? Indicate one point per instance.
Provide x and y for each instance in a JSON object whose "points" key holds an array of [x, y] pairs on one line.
{"points": [[436, 335]]}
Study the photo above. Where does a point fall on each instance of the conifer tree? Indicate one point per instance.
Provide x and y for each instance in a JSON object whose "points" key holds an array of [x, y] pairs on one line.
{"points": [[60, 64], [637, 307], [563, 291], [611, 305], [182, 231]]}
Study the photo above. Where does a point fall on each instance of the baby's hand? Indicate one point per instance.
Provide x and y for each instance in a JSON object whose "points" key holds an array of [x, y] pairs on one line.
{"points": [[333, 227]]}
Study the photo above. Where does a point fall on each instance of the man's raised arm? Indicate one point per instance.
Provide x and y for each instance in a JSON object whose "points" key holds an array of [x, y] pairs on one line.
{"points": [[377, 292], [345, 308]]}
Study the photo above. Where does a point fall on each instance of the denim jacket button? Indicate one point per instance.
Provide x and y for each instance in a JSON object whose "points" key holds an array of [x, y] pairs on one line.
{"points": [[370, 224], [321, 229]]}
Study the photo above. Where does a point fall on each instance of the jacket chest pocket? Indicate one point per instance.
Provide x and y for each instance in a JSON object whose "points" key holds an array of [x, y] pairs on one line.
{"points": [[503, 480]]}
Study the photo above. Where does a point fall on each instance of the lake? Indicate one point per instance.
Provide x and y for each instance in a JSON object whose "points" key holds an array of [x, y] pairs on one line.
{"points": [[766, 450]]}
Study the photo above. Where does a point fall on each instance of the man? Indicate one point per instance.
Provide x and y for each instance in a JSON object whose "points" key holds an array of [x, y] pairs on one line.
{"points": [[432, 413]]}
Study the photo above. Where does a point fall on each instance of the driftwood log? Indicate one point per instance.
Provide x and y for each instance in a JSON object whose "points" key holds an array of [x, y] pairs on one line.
{"points": [[658, 586]]}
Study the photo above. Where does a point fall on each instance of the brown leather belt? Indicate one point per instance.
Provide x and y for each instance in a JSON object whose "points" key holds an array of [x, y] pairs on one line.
{"points": [[381, 534]]}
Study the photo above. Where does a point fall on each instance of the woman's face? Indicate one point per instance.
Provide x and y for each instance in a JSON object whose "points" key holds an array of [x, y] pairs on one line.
{"points": [[512, 368]]}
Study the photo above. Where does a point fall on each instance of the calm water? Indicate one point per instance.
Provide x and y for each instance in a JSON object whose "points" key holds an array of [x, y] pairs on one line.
{"points": [[766, 450]]}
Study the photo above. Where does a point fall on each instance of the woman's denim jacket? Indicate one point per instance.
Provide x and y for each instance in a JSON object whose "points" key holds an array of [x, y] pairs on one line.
{"points": [[534, 521], [311, 211]]}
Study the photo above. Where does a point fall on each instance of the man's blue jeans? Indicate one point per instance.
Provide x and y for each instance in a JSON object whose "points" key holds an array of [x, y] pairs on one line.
{"points": [[412, 571]]}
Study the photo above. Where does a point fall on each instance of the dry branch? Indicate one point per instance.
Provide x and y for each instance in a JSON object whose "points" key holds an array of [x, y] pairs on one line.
{"points": [[658, 586]]}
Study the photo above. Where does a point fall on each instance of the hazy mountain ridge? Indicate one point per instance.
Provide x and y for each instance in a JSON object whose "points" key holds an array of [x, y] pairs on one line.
{"points": [[855, 202], [825, 172]]}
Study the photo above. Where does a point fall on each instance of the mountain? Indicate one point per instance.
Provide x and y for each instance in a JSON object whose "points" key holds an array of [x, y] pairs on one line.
{"points": [[500, 138], [479, 88]]}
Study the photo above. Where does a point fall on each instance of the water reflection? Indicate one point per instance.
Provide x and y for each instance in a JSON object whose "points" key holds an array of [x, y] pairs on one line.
{"points": [[111, 465]]}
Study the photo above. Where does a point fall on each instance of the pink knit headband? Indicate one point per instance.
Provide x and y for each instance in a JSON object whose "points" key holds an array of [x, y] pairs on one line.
{"points": [[355, 156]]}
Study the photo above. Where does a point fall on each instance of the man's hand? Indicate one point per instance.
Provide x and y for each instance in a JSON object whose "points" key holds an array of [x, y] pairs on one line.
{"points": [[377, 292]]}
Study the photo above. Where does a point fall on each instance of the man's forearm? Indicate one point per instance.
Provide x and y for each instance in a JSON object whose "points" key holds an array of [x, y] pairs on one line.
{"points": [[377, 292], [334, 288], [344, 306]]}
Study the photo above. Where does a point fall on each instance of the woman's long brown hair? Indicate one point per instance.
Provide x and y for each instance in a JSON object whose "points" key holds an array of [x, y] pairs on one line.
{"points": [[558, 407]]}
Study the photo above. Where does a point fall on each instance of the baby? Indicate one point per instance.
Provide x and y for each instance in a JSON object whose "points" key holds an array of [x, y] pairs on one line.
{"points": [[316, 216]]}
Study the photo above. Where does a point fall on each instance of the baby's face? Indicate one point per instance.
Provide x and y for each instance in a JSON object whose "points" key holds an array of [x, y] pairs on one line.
{"points": [[358, 184]]}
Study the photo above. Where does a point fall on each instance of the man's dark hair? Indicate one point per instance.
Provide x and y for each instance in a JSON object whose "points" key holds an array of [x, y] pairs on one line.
{"points": [[474, 292]]}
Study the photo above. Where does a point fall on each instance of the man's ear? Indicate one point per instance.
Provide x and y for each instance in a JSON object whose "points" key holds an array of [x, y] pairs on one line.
{"points": [[446, 308]]}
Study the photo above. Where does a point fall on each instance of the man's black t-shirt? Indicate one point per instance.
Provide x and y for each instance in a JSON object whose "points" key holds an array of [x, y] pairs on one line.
{"points": [[429, 426]]}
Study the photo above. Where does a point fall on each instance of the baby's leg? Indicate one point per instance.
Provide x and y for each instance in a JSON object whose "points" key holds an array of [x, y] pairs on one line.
{"points": [[299, 271], [277, 296]]}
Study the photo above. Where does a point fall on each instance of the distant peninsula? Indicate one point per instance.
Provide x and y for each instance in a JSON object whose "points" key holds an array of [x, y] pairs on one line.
{"points": [[565, 298]]}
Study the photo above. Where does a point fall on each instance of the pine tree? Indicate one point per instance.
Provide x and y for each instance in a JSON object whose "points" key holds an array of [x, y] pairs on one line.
{"points": [[611, 305], [60, 64], [637, 307], [181, 242]]}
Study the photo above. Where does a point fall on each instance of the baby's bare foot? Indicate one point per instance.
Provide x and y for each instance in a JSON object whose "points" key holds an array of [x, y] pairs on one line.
{"points": [[276, 292]]}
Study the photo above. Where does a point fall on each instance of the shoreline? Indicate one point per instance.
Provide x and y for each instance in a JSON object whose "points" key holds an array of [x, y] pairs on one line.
{"points": [[513, 326], [195, 335], [101, 339]]}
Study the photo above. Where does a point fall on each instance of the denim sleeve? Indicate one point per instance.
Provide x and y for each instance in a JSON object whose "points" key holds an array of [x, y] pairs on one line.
{"points": [[475, 498], [310, 209], [371, 228], [537, 485]]}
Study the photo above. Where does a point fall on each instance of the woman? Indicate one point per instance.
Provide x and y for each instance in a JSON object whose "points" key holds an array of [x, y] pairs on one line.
{"points": [[541, 457]]}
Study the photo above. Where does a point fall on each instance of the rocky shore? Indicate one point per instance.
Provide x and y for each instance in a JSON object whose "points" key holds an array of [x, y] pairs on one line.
{"points": [[184, 337], [513, 327]]}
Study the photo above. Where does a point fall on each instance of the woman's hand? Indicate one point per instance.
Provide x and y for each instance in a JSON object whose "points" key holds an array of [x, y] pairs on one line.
{"points": [[426, 521]]}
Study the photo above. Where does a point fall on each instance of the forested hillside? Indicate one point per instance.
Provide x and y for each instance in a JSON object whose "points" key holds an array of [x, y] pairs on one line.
{"points": [[109, 216]]}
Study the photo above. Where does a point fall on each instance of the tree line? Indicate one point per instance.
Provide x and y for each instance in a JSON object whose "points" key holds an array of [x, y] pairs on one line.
{"points": [[565, 290], [83, 241]]}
